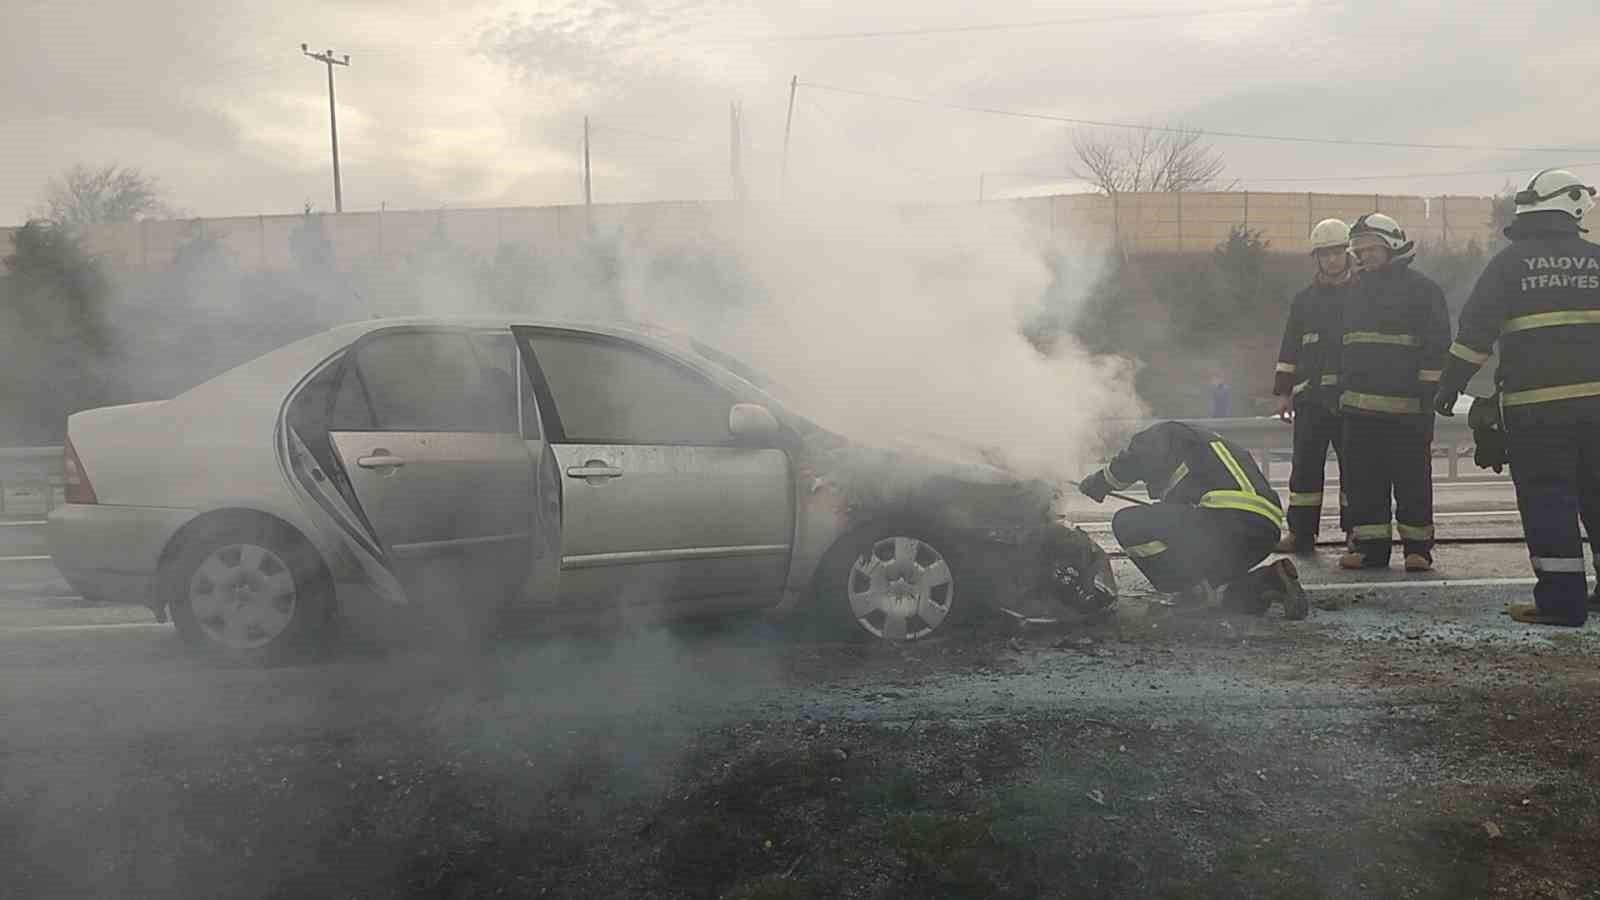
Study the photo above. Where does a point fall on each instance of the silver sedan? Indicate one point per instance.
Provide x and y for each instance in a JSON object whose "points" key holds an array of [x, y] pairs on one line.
{"points": [[544, 470]]}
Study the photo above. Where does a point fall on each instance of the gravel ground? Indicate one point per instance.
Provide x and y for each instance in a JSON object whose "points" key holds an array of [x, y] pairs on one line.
{"points": [[1406, 742]]}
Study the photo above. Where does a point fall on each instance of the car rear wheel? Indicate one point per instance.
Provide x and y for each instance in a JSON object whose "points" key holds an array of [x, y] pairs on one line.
{"points": [[893, 582], [249, 593]]}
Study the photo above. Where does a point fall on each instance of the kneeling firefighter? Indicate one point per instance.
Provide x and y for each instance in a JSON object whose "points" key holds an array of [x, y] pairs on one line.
{"points": [[1539, 299], [1217, 517]]}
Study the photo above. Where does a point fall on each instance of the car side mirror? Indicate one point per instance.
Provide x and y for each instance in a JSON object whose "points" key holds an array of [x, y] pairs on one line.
{"points": [[753, 422]]}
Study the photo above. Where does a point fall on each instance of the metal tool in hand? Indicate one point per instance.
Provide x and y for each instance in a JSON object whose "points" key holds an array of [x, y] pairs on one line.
{"points": [[1134, 500]]}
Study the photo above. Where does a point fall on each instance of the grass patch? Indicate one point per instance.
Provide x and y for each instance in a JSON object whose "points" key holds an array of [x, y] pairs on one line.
{"points": [[950, 855]]}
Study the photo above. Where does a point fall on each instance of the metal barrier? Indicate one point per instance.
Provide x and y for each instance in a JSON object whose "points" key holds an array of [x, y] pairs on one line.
{"points": [[1269, 437], [31, 481]]}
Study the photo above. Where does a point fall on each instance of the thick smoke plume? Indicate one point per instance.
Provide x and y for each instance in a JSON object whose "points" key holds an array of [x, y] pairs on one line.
{"points": [[897, 325]]}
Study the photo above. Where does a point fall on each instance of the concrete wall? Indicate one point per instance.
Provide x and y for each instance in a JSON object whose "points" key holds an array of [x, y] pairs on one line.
{"points": [[1145, 223]]}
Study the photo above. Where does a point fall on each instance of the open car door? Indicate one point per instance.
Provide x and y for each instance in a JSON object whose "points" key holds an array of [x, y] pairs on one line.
{"points": [[427, 429]]}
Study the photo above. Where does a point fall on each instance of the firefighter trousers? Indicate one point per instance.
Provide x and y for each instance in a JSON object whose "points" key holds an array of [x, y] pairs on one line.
{"points": [[1556, 469], [1316, 428], [1178, 546], [1384, 454]]}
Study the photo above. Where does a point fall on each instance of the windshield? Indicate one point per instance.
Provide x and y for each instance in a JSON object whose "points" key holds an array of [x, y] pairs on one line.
{"points": [[786, 398]]}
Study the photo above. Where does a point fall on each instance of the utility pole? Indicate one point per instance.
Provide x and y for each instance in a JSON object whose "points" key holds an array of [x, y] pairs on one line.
{"points": [[588, 185], [788, 123], [326, 57]]}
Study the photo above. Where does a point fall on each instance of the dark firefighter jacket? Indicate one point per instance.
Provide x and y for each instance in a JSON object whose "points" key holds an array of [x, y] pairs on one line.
{"points": [[1396, 338], [1308, 362], [1182, 464], [1540, 298]]}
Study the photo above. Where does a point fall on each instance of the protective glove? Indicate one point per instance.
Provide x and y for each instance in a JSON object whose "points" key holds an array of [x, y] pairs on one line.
{"points": [[1489, 450], [1095, 487], [1444, 403]]}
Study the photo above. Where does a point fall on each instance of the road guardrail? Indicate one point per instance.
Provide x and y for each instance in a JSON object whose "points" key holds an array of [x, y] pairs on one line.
{"points": [[1271, 439], [31, 481]]}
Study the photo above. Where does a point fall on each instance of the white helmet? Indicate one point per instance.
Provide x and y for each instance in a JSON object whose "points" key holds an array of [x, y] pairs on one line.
{"points": [[1330, 234], [1555, 190], [1381, 227]]}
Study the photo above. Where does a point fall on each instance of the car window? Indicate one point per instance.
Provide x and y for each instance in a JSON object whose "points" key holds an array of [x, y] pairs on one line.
{"points": [[432, 381], [609, 392], [498, 354], [349, 410]]}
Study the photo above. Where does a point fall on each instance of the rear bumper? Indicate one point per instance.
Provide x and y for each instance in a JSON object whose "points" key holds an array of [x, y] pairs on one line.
{"points": [[111, 553]]}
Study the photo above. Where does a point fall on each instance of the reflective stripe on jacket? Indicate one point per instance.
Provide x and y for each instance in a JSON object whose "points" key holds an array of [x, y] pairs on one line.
{"points": [[1308, 359], [1540, 299], [1396, 338], [1180, 463]]}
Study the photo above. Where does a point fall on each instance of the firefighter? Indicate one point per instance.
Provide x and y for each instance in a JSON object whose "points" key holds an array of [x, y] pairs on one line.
{"points": [[1216, 518], [1540, 298], [1396, 338], [1307, 381]]}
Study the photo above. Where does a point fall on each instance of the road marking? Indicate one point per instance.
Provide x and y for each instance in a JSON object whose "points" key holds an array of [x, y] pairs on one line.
{"points": [[22, 524], [6, 559], [130, 626], [1421, 583]]}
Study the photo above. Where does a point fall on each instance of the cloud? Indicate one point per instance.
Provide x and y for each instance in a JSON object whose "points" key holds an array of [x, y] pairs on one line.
{"points": [[483, 102]]}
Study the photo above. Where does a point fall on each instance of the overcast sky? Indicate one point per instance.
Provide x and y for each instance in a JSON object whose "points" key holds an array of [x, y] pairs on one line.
{"points": [[480, 102]]}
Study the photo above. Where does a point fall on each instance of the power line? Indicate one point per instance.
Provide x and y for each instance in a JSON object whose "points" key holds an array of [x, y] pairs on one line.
{"points": [[1068, 120], [598, 128], [1017, 26]]}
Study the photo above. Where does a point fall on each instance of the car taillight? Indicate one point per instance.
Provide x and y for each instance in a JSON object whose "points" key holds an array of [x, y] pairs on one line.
{"points": [[78, 488]]}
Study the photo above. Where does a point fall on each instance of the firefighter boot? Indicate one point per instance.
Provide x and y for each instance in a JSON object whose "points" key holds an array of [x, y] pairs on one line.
{"points": [[1417, 562], [1355, 559], [1258, 590], [1287, 591], [1529, 614]]}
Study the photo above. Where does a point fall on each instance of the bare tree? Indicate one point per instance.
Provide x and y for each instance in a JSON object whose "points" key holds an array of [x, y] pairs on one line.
{"points": [[84, 196], [1148, 160]]}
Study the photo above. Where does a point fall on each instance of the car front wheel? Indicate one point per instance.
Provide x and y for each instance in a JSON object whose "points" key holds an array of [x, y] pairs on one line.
{"points": [[250, 593], [896, 583]]}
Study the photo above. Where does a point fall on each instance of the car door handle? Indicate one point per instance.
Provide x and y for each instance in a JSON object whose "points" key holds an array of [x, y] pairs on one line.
{"points": [[381, 461], [594, 470]]}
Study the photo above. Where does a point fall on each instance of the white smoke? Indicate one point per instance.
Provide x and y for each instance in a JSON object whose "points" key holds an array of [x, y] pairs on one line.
{"points": [[904, 324]]}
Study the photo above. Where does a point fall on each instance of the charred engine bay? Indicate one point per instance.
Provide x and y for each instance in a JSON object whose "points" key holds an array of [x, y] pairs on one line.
{"points": [[1017, 555]]}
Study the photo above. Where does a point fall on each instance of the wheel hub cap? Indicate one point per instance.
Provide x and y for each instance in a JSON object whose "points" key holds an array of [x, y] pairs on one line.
{"points": [[243, 596], [902, 589]]}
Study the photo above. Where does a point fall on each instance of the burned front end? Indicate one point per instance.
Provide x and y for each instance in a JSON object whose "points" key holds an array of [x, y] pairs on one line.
{"points": [[1013, 553]]}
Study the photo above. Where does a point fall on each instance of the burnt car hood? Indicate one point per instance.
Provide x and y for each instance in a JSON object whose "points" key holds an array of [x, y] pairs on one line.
{"points": [[930, 474], [1033, 566]]}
